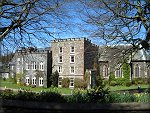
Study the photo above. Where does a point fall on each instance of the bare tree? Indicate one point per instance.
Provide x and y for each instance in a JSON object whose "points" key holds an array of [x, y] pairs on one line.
{"points": [[28, 22], [115, 21]]}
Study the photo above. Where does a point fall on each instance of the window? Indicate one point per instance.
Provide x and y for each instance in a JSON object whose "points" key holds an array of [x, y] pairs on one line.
{"points": [[60, 50], [137, 70], [60, 59], [72, 49], [27, 66], [40, 81], [105, 71], [59, 81], [118, 72], [34, 80], [18, 61], [41, 66], [27, 80], [71, 82], [60, 69], [72, 59], [72, 70], [34, 65]]}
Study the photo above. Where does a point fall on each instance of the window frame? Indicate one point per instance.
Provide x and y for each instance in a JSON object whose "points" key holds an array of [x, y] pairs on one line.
{"points": [[72, 60], [72, 69], [60, 59], [41, 81], [72, 49], [60, 69]]}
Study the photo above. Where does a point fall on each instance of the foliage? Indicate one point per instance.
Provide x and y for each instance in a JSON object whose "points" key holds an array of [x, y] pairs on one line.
{"points": [[80, 83], [120, 97], [39, 73], [65, 82], [87, 77], [126, 72], [54, 78], [111, 77], [77, 97], [94, 95], [98, 93], [137, 81]]}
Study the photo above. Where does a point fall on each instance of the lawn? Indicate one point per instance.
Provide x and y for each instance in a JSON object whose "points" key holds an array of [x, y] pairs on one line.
{"points": [[117, 88], [10, 84]]}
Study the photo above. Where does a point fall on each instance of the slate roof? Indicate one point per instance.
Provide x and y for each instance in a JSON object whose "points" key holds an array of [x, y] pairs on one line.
{"points": [[119, 52]]}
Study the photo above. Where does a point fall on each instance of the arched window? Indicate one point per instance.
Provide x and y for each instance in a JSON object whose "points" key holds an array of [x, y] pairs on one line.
{"points": [[105, 71], [40, 81], [118, 71], [137, 71], [34, 80], [27, 80]]}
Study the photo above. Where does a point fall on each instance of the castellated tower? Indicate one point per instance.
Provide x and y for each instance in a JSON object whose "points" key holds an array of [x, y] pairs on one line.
{"points": [[71, 57]]}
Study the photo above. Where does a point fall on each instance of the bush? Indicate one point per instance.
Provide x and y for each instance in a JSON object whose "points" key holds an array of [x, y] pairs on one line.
{"points": [[112, 83], [120, 97], [111, 77], [54, 78], [137, 81], [65, 82], [80, 83], [77, 97]]}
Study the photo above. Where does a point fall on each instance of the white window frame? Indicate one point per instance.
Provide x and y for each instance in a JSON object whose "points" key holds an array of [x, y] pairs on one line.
{"points": [[27, 80], [41, 82], [34, 65], [71, 82], [60, 81], [41, 66], [34, 81], [72, 49], [60, 59], [60, 69], [72, 56], [72, 69]]}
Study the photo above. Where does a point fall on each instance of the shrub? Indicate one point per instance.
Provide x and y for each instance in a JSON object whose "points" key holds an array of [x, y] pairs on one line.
{"points": [[112, 83], [54, 78], [120, 97], [78, 97], [80, 83], [50, 97], [137, 81], [65, 82], [111, 77]]}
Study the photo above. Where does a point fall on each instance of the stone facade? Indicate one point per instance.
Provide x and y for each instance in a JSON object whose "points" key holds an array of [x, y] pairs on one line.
{"points": [[33, 65], [111, 61], [71, 57]]}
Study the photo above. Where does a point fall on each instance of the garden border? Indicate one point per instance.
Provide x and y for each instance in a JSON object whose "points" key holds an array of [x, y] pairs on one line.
{"points": [[75, 106]]}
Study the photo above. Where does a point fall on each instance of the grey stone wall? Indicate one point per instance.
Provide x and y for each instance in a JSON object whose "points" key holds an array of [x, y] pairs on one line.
{"points": [[84, 54]]}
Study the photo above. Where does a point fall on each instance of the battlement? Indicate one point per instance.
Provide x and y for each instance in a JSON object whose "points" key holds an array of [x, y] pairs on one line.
{"points": [[71, 39], [33, 50]]}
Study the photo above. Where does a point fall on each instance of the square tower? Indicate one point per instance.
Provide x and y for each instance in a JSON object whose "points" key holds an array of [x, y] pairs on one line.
{"points": [[71, 57]]}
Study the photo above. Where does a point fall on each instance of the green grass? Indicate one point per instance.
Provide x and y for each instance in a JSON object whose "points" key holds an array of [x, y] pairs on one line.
{"points": [[10, 84], [117, 88]]}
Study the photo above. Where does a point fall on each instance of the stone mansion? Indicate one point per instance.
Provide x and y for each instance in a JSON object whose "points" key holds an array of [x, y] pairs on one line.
{"points": [[71, 58]]}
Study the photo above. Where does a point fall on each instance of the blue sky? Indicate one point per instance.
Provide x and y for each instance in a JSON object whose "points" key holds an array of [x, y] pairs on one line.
{"points": [[74, 27]]}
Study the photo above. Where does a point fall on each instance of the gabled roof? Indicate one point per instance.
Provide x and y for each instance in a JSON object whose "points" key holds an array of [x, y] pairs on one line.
{"points": [[114, 53], [120, 52]]}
